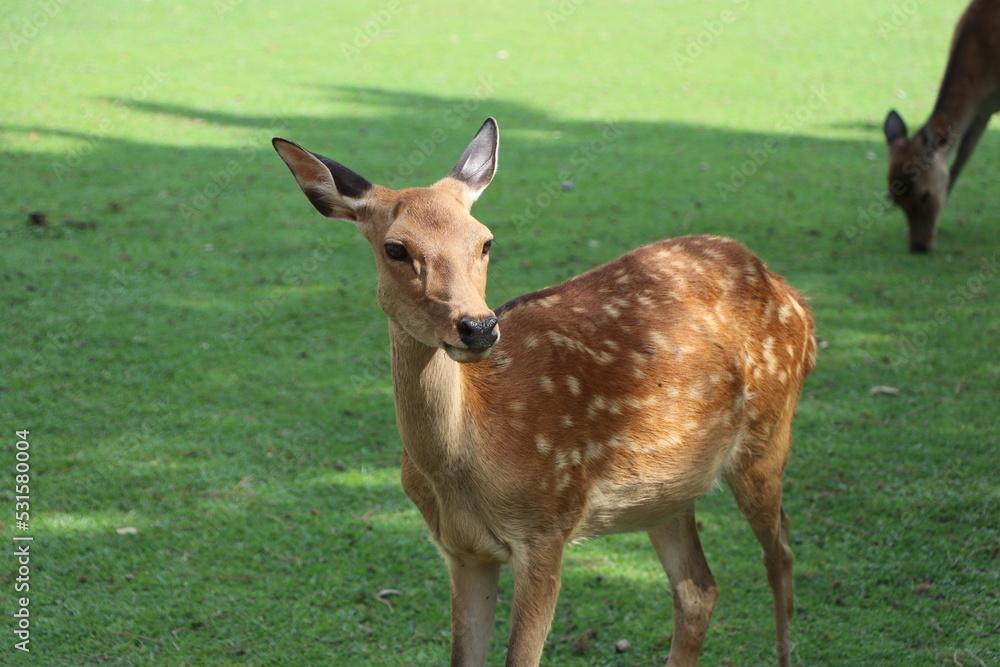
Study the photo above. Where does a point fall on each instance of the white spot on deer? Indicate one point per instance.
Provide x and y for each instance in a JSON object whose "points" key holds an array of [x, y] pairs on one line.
{"points": [[563, 482], [560, 461], [566, 421], [784, 312], [573, 385], [601, 357], [597, 404], [611, 310], [720, 312], [549, 301], [531, 341], [634, 403], [768, 315], [501, 361], [547, 384], [615, 441], [543, 445], [770, 358], [641, 358], [593, 450], [657, 339], [562, 340], [575, 457], [680, 266], [671, 440]]}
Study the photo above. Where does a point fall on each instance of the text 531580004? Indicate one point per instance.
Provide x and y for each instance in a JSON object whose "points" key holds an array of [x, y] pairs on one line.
{"points": [[22, 541]]}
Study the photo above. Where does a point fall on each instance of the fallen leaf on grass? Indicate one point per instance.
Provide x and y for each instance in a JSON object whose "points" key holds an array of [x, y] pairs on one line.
{"points": [[883, 390], [582, 643], [127, 530], [380, 596]]}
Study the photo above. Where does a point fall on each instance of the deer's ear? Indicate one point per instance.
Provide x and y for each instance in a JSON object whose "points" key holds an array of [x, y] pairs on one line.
{"points": [[478, 164], [335, 191], [894, 127]]}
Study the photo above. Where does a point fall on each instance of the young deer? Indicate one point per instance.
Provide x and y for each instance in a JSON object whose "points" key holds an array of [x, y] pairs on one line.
{"points": [[605, 404], [919, 178]]}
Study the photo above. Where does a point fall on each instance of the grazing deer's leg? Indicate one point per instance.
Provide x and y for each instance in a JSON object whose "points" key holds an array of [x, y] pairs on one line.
{"points": [[691, 584], [756, 484], [473, 606], [966, 146], [536, 589]]}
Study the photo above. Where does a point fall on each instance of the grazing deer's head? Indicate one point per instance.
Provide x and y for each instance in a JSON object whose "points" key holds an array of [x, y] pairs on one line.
{"points": [[431, 254], [918, 175]]}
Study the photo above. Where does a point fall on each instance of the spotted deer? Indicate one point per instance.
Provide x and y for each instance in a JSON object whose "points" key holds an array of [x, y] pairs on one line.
{"points": [[607, 403], [920, 179]]}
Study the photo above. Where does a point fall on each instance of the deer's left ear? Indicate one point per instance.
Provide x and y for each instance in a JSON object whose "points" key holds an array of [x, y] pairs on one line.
{"points": [[478, 164]]}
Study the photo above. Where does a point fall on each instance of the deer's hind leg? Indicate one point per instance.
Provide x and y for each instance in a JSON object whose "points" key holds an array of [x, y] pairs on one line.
{"points": [[691, 584], [756, 483]]}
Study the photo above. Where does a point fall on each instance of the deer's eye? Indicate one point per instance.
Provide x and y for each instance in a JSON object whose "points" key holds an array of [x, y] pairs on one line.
{"points": [[395, 251], [487, 246]]}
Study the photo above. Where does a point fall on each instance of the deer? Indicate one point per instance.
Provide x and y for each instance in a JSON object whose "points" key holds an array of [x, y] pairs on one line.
{"points": [[607, 403], [920, 180]]}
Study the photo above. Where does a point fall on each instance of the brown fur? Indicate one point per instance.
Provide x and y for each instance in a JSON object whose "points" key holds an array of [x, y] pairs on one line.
{"points": [[920, 179], [610, 403]]}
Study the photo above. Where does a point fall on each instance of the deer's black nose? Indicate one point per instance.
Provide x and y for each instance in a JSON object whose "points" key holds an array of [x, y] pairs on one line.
{"points": [[478, 334]]}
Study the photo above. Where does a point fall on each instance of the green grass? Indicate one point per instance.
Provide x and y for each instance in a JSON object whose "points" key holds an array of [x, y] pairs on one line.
{"points": [[200, 359]]}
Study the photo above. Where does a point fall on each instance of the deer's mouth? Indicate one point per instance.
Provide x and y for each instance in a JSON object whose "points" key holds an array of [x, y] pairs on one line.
{"points": [[465, 355]]}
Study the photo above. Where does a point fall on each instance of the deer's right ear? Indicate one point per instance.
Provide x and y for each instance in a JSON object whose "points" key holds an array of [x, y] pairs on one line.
{"points": [[894, 127], [335, 191]]}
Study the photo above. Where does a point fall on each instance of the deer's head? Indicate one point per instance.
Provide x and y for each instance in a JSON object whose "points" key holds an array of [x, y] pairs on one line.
{"points": [[431, 254], [918, 175]]}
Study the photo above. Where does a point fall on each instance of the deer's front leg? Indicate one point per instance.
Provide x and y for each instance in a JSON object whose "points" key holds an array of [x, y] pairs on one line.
{"points": [[536, 590], [473, 607]]}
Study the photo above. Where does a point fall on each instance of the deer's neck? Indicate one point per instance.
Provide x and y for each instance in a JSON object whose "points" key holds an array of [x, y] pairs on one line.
{"points": [[430, 403], [968, 88]]}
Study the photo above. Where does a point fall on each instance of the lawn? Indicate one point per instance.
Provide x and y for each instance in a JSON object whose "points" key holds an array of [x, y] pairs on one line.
{"points": [[212, 462]]}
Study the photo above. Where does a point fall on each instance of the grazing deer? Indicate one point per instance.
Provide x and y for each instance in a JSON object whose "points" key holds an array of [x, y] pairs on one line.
{"points": [[605, 404], [919, 178]]}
